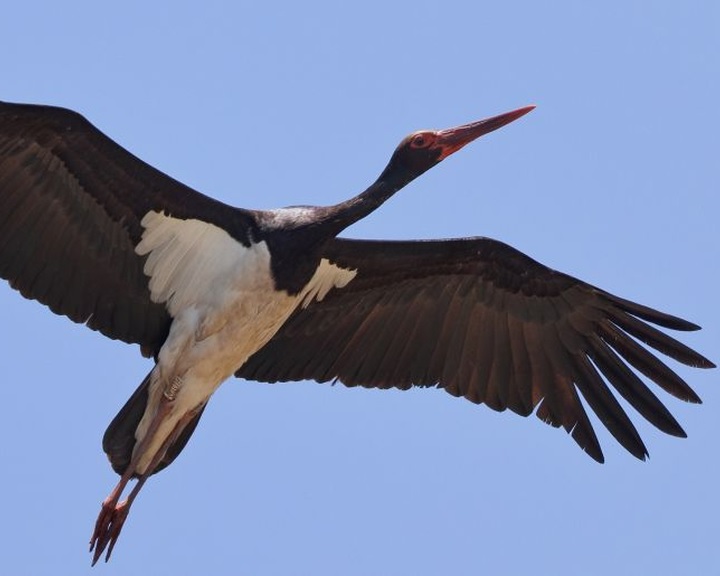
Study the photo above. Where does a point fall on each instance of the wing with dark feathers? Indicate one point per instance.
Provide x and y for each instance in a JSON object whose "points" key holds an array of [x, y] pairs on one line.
{"points": [[483, 321], [71, 202]]}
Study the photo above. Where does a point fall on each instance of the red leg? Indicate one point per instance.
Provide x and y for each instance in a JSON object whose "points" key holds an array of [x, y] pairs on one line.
{"points": [[113, 514], [107, 520], [120, 513]]}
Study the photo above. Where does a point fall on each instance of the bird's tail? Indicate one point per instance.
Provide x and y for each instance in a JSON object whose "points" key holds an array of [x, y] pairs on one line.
{"points": [[119, 439]]}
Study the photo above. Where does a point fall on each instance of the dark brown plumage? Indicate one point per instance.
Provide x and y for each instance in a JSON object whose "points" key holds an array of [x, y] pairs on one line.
{"points": [[485, 322], [207, 289]]}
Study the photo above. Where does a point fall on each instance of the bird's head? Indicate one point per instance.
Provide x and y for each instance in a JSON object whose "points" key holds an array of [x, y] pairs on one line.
{"points": [[420, 151], [416, 154]]}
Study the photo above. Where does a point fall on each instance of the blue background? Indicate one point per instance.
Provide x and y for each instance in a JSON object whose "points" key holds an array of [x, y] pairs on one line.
{"points": [[614, 179]]}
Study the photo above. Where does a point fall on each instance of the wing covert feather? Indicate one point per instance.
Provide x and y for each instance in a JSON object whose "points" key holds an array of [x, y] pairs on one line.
{"points": [[485, 322]]}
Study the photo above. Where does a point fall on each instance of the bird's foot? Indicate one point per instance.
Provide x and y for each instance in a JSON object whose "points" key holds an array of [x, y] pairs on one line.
{"points": [[107, 528]]}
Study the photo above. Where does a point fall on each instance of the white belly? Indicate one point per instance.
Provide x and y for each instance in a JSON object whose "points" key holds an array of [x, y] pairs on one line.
{"points": [[224, 305]]}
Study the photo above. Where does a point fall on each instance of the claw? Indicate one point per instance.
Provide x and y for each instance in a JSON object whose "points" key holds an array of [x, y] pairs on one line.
{"points": [[107, 529], [113, 513]]}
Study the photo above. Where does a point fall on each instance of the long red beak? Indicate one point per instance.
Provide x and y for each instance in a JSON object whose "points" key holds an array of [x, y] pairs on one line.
{"points": [[452, 139]]}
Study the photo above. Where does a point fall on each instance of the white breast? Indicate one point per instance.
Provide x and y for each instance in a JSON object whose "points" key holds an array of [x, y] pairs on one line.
{"points": [[224, 305]]}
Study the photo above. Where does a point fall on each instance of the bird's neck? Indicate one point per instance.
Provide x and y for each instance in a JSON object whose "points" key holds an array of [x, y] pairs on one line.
{"points": [[344, 214]]}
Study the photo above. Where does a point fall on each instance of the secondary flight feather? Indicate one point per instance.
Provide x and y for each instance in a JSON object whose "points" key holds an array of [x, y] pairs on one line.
{"points": [[208, 291]]}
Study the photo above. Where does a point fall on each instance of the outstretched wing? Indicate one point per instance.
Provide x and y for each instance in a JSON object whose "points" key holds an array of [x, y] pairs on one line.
{"points": [[71, 205], [483, 321]]}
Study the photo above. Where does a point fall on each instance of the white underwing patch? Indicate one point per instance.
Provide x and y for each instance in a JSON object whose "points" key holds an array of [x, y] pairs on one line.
{"points": [[189, 261], [326, 277]]}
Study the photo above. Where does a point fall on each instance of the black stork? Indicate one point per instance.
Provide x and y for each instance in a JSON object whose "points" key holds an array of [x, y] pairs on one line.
{"points": [[209, 290]]}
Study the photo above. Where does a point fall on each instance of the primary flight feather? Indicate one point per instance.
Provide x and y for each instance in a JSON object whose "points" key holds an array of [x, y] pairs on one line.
{"points": [[208, 290]]}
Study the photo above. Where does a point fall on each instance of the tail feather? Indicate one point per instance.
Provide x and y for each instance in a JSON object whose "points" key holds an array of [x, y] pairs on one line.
{"points": [[119, 438]]}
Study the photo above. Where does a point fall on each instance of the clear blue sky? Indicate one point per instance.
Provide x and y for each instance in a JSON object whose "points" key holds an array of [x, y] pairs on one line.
{"points": [[614, 179]]}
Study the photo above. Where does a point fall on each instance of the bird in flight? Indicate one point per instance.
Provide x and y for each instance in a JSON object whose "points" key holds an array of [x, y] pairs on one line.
{"points": [[209, 291]]}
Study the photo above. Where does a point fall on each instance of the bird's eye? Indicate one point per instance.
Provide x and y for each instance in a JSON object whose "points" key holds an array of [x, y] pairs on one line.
{"points": [[420, 141]]}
